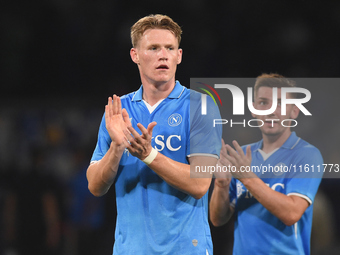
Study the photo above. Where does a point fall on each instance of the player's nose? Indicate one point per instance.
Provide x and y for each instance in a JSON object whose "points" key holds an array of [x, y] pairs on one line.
{"points": [[163, 53]]}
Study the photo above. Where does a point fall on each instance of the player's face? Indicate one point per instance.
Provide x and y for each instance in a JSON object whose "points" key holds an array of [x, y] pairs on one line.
{"points": [[157, 56], [273, 122]]}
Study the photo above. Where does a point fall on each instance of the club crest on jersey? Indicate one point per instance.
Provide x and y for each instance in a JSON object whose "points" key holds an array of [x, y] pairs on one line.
{"points": [[174, 120], [279, 169]]}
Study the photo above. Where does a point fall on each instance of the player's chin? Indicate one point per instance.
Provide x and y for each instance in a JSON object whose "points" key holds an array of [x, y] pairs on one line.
{"points": [[163, 79], [270, 131]]}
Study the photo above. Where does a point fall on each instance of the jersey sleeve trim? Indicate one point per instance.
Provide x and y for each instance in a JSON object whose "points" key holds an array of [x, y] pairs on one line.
{"points": [[302, 196], [296, 143], [203, 154]]}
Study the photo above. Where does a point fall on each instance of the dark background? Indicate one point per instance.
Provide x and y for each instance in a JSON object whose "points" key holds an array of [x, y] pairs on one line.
{"points": [[60, 60]]}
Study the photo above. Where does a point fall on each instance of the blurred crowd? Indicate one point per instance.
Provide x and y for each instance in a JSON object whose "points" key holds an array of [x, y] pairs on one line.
{"points": [[61, 60], [46, 207]]}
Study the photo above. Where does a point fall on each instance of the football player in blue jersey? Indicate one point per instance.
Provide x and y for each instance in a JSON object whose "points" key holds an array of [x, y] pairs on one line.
{"points": [[273, 206], [147, 141]]}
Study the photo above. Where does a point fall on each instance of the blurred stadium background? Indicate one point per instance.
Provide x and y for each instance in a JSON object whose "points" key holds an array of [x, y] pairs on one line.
{"points": [[60, 60]]}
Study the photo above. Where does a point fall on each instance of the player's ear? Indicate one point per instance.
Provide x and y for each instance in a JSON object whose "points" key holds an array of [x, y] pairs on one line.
{"points": [[134, 55], [179, 57], [295, 112]]}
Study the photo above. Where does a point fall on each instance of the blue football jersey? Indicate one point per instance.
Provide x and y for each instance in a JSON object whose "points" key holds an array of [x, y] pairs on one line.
{"points": [[256, 230], [152, 216]]}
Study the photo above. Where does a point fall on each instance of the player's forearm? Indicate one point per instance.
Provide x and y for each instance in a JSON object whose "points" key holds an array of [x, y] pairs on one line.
{"points": [[287, 208], [219, 207], [101, 174], [178, 175]]}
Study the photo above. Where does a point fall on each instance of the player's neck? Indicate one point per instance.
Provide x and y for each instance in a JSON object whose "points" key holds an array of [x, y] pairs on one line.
{"points": [[153, 93], [272, 142]]}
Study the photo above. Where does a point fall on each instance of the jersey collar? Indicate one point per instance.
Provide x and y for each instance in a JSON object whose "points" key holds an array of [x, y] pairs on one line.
{"points": [[290, 143], [175, 93]]}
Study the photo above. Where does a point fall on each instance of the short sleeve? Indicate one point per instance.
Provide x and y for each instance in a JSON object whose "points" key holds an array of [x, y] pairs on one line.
{"points": [[205, 137], [103, 142], [305, 182]]}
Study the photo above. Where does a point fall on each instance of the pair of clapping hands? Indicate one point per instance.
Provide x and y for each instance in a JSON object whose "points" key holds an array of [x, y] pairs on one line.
{"points": [[234, 162], [122, 134]]}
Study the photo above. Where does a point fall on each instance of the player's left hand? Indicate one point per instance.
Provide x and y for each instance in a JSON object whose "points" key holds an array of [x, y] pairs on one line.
{"points": [[223, 176], [140, 145], [240, 160]]}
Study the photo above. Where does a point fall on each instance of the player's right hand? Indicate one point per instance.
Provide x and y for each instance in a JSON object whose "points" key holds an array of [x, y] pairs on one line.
{"points": [[117, 121]]}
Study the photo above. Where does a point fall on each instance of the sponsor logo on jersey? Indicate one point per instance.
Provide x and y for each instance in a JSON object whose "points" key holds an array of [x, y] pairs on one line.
{"points": [[171, 142], [240, 189]]}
